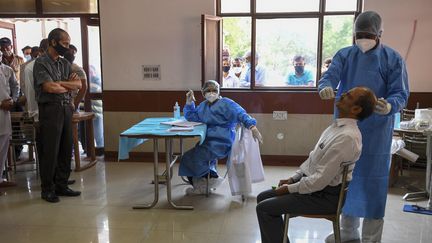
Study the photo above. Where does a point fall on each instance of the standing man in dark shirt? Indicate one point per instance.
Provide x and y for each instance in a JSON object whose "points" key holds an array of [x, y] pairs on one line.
{"points": [[54, 82]]}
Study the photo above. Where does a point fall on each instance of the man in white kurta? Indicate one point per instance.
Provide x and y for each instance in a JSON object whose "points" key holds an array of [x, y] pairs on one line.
{"points": [[8, 94]]}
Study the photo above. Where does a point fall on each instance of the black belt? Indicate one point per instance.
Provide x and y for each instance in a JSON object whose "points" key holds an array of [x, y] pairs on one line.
{"points": [[60, 102]]}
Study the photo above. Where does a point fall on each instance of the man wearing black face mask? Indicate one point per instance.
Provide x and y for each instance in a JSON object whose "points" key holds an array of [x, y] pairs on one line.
{"points": [[300, 76], [54, 82], [230, 80]]}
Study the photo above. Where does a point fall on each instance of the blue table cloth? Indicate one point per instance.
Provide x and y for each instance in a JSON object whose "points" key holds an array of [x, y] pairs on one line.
{"points": [[153, 126]]}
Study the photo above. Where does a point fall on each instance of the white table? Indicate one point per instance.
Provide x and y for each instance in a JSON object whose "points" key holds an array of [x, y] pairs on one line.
{"points": [[428, 188], [152, 129]]}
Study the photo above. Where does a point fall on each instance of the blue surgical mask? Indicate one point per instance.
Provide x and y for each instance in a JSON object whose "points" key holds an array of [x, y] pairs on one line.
{"points": [[299, 69], [248, 65], [27, 57]]}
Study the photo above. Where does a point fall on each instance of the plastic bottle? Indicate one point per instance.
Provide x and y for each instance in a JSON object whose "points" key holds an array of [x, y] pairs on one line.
{"points": [[176, 111], [397, 120]]}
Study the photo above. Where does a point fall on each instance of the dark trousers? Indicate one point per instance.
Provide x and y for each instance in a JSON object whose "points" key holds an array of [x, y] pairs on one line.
{"points": [[271, 207], [55, 124]]}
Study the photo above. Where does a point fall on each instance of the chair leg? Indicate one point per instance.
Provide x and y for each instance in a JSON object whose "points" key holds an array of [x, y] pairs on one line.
{"points": [[336, 230], [208, 180], [285, 234], [36, 160], [13, 158]]}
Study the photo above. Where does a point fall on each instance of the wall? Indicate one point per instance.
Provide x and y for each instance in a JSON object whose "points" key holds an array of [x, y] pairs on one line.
{"points": [[398, 18], [137, 32], [145, 32]]}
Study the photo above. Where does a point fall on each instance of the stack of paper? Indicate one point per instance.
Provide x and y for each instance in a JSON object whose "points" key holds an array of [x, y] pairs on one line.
{"points": [[182, 123], [180, 129]]}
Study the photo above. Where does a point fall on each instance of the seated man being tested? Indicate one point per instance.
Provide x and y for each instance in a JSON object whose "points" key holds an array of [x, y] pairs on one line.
{"points": [[221, 115], [314, 188]]}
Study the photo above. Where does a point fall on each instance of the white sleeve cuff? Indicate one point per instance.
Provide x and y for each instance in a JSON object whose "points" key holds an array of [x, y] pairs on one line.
{"points": [[297, 176], [293, 188]]}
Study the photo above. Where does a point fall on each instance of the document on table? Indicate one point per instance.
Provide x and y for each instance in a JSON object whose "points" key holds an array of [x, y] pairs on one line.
{"points": [[180, 129], [182, 123]]}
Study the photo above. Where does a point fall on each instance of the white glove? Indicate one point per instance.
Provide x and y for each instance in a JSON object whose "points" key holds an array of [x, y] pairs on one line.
{"points": [[190, 97], [327, 93], [382, 107], [256, 134]]}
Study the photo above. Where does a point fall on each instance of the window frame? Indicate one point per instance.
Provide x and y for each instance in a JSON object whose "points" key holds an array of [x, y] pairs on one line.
{"points": [[320, 14]]}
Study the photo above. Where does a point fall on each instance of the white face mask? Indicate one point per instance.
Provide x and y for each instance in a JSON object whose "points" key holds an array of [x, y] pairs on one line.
{"points": [[365, 44], [211, 96], [27, 57], [237, 69]]}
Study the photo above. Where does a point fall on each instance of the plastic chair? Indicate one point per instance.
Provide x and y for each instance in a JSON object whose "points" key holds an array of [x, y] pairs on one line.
{"points": [[23, 133], [335, 218]]}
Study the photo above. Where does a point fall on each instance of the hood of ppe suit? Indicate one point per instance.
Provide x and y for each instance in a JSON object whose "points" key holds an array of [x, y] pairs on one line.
{"points": [[368, 22], [210, 85]]}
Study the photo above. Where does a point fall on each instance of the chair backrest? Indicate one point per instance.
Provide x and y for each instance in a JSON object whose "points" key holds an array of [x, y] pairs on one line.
{"points": [[407, 115], [344, 186], [23, 129]]}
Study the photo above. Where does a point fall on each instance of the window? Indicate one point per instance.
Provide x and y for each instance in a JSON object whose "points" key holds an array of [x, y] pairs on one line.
{"points": [[290, 40]]}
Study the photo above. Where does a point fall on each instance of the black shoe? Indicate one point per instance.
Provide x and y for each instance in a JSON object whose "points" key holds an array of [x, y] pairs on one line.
{"points": [[50, 197], [70, 182], [67, 192]]}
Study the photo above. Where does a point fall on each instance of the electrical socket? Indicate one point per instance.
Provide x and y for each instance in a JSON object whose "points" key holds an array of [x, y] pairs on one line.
{"points": [[280, 115]]}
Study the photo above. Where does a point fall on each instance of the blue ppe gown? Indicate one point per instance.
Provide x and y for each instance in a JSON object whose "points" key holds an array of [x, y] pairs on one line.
{"points": [[221, 118], [383, 71]]}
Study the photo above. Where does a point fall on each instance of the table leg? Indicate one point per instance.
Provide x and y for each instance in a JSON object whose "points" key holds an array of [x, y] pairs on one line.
{"points": [[156, 178], [77, 157], [428, 167], [184, 179], [428, 187], [168, 151], [90, 146], [415, 195]]}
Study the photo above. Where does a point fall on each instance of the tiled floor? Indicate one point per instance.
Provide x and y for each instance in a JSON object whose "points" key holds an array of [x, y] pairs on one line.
{"points": [[103, 213]]}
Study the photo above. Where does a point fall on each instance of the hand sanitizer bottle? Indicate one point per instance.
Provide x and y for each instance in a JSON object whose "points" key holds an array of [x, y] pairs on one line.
{"points": [[176, 111]]}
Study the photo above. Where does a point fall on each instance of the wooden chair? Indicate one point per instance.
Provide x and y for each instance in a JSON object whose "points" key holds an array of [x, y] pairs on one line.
{"points": [[335, 218], [23, 133]]}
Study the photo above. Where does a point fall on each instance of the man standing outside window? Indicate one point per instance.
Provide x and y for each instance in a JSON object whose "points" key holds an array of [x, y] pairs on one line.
{"points": [[260, 73], [54, 83], [300, 76], [368, 63]]}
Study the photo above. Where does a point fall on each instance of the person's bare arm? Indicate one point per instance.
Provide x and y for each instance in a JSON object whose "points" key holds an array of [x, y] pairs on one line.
{"points": [[53, 87], [74, 82], [81, 92]]}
